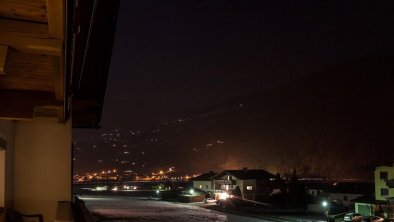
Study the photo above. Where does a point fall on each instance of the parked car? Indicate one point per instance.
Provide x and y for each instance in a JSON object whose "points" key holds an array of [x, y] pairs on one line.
{"points": [[209, 200], [372, 219], [353, 217]]}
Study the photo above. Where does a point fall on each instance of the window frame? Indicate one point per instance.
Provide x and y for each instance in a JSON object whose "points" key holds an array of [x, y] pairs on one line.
{"points": [[383, 175], [386, 191]]}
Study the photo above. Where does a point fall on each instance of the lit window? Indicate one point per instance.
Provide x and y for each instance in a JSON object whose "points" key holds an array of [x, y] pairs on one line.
{"points": [[249, 187], [200, 186]]}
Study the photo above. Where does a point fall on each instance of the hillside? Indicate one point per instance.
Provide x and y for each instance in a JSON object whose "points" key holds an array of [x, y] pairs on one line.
{"points": [[330, 123]]}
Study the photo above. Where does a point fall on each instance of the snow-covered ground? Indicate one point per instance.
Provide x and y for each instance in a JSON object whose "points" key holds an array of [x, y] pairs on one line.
{"points": [[121, 209]]}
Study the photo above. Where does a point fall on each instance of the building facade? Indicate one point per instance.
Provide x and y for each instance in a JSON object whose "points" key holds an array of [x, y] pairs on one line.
{"points": [[347, 192], [204, 182], [254, 184], [384, 182], [382, 202]]}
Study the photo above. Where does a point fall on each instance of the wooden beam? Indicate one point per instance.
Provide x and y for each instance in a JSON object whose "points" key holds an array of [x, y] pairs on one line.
{"points": [[18, 105], [55, 13], [28, 72], [23, 28], [30, 10], [3, 59], [32, 44], [49, 111], [58, 77], [29, 37]]}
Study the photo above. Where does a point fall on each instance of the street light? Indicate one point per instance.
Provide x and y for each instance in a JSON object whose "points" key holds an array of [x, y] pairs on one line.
{"points": [[325, 205], [223, 196], [191, 191]]}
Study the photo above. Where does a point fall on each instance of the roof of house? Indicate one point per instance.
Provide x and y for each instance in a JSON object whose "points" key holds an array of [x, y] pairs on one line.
{"points": [[352, 188], [317, 186], [204, 176], [246, 174]]}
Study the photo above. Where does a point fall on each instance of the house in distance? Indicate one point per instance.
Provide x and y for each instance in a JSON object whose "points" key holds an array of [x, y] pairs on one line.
{"points": [[253, 184], [204, 182]]}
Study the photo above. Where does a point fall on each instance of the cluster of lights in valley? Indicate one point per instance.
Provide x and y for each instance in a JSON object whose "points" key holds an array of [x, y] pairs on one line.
{"points": [[129, 148]]}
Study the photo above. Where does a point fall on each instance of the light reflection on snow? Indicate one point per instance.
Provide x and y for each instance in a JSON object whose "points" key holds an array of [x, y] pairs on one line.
{"points": [[139, 209]]}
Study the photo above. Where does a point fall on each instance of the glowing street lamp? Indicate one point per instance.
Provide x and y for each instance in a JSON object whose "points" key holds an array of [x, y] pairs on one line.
{"points": [[191, 191], [327, 211], [223, 196]]}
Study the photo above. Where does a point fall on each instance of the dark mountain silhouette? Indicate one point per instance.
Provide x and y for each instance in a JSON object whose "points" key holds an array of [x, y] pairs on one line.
{"points": [[330, 123]]}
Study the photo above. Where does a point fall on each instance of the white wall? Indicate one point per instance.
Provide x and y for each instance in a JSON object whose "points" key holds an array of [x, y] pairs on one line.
{"points": [[203, 184], [248, 194], [379, 183], [42, 166], [7, 164]]}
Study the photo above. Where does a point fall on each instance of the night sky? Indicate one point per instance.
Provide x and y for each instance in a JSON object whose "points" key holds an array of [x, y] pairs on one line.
{"points": [[175, 59]]}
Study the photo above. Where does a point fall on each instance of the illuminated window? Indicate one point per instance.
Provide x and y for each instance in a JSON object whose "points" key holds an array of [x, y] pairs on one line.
{"points": [[249, 187], [200, 186]]}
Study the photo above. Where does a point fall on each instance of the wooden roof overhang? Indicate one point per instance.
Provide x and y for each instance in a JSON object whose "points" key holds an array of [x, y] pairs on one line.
{"points": [[54, 58], [94, 26], [31, 59]]}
